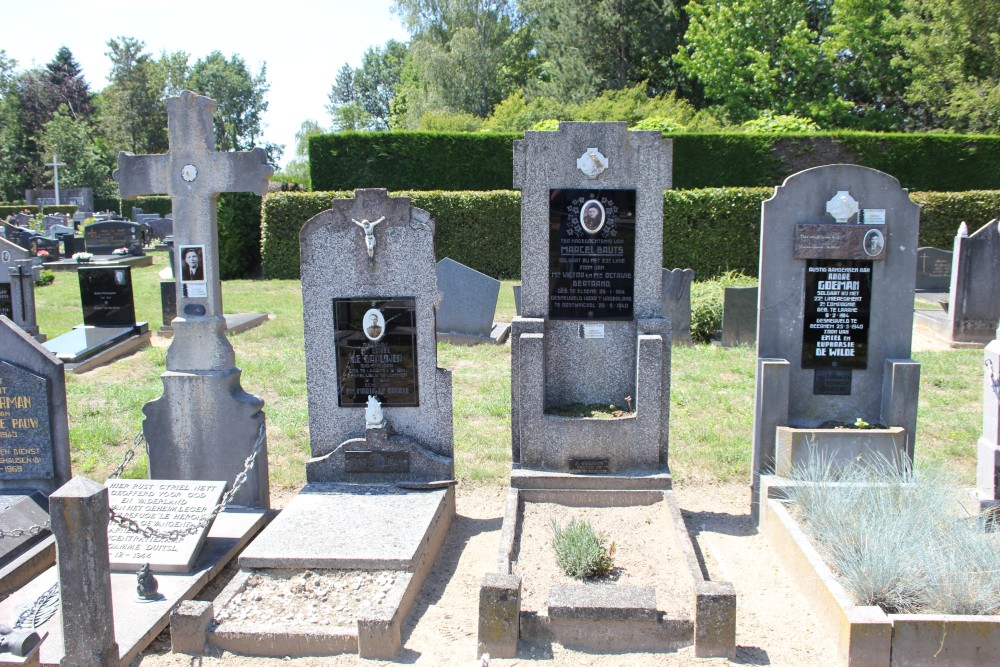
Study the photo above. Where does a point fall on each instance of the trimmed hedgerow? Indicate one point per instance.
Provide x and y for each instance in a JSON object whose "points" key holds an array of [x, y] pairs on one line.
{"points": [[484, 161], [411, 160], [239, 234], [711, 230], [11, 209]]}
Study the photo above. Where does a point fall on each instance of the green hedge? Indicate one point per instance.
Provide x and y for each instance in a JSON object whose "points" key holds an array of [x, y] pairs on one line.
{"points": [[11, 209], [239, 234], [483, 161], [478, 229], [712, 230], [411, 161], [150, 204]]}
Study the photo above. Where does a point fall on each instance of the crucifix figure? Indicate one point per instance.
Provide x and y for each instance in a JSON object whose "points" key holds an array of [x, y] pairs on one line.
{"points": [[204, 426], [55, 164], [369, 228]]}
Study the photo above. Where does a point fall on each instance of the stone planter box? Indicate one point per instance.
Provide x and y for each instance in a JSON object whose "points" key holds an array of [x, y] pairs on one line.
{"points": [[796, 447], [867, 636]]}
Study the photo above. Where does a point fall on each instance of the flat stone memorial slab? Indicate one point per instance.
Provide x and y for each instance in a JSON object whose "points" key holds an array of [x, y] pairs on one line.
{"points": [[165, 505], [362, 527], [83, 341]]}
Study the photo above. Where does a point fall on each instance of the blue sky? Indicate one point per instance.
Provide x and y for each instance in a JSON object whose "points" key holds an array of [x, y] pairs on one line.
{"points": [[303, 42]]}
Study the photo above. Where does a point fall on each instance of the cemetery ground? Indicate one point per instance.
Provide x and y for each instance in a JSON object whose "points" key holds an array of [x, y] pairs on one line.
{"points": [[710, 450]]}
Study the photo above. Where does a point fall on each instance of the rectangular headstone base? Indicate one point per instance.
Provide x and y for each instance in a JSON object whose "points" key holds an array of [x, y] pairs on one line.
{"points": [[138, 624], [655, 480], [236, 323]]}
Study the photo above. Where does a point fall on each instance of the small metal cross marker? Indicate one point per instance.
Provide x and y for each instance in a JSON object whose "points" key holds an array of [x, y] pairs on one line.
{"points": [[194, 174]]}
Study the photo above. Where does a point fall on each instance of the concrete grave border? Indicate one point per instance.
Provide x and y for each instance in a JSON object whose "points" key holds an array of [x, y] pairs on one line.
{"points": [[865, 635]]}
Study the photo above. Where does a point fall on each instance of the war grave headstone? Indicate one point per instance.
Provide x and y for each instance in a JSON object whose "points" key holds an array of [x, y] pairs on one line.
{"points": [[109, 329], [34, 453], [379, 498], [469, 301], [204, 432], [591, 334], [675, 303], [739, 316], [835, 322]]}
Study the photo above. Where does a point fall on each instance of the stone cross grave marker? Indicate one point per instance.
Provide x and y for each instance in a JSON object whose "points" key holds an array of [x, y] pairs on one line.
{"points": [[204, 425], [838, 263]]}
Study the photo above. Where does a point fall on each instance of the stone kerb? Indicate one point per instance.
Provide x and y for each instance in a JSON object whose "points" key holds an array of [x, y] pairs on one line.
{"points": [[796, 230], [336, 265]]}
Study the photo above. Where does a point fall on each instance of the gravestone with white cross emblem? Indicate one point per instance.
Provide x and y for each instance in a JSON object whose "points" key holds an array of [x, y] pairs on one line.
{"points": [[204, 425]]}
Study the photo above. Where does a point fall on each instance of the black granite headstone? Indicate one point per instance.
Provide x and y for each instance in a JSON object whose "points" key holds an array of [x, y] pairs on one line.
{"points": [[376, 340], [106, 294], [591, 254], [837, 313], [103, 238], [168, 301], [25, 440], [933, 270]]}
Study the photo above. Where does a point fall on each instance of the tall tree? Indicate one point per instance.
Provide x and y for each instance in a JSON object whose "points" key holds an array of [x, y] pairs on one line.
{"points": [[361, 99], [758, 55], [73, 140], [68, 85], [242, 99], [133, 115], [465, 56], [588, 46], [950, 49]]}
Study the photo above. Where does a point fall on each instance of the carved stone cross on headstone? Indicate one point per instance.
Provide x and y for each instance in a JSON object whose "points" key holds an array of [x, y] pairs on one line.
{"points": [[204, 426], [194, 174]]}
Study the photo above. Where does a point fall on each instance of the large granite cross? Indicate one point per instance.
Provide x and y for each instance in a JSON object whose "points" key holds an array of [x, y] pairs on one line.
{"points": [[194, 175]]}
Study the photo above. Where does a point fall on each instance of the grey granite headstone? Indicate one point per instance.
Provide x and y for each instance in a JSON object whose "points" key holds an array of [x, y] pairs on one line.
{"points": [[933, 269], [675, 303], [517, 299], [50, 221], [164, 505], [161, 228], [395, 288], [974, 306], [469, 300], [204, 425], [80, 515], [590, 329], [739, 316], [834, 331]]}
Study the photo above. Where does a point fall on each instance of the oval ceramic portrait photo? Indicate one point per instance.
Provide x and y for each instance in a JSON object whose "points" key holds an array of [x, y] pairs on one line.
{"points": [[874, 242], [373, 325], [592, 216]]}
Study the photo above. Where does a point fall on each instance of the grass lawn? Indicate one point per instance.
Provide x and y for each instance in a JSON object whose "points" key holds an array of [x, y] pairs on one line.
{"points": [[711, 407]]}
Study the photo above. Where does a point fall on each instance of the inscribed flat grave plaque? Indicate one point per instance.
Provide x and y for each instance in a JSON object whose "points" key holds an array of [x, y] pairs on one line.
{"points": [[592, 465], [376, 340], [25, 440], [839, 241], [591, 254], [376, 462], [832, 382], [165, 505], [6, 299], [106, 294], [837, 313]]}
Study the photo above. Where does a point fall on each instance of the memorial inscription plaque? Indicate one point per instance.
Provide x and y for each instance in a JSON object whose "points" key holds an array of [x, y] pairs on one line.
{"points": [[376, 462], [6, 299], [837, 314], [106, 293], [376, 341], [839, 241], [25, 440], [165, 505], [591, 254], [590, 465]]}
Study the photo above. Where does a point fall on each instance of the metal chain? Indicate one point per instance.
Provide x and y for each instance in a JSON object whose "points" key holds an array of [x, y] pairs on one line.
{"points": [[136, 441], [38, 612], [134, 526], [993, 378], [30, 530]]}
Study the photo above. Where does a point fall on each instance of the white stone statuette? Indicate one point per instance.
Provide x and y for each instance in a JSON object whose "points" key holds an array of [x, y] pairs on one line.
{"points": [[373, 414], [369, 228], [842, 206], [592, 163]]}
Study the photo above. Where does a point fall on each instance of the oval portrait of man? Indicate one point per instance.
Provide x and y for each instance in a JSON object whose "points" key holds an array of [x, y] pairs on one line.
{"points": [[374, 325], [874, 242], [592, 216]]}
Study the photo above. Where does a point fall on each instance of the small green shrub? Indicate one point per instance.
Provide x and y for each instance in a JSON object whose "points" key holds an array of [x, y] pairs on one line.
{"points": [[581, 552], [45, 277], [706, 303]]}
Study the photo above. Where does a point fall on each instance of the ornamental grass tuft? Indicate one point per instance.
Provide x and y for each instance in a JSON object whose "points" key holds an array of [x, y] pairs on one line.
{"points": [[581, 552]]}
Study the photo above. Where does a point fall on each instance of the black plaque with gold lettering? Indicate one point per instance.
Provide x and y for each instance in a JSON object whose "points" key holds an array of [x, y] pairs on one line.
{"points": [[376, 341], [25, 439], [591, 254], [837, 313]]}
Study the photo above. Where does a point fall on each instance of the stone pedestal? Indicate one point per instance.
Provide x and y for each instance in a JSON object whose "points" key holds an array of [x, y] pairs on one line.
{"points": [[79, 513]]}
